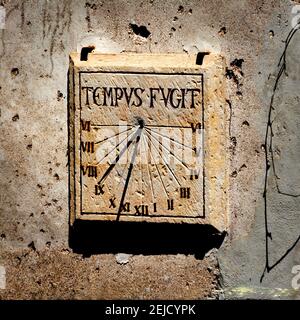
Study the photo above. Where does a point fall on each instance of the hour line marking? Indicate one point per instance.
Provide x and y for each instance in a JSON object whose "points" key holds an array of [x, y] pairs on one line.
{"points": [[166, 164], [108, 125], [149, 173], [169, 151], [137, 137], [171, 139], [118, 157], [114, 148], [167, 193], [164, 126], [115, 135]]}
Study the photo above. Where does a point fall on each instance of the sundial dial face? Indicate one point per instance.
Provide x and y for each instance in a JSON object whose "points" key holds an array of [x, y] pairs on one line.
{"points": [[137, 139]]}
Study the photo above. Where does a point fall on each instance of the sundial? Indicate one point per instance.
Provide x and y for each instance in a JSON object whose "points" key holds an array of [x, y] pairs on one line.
{"points": [[147, 139]]}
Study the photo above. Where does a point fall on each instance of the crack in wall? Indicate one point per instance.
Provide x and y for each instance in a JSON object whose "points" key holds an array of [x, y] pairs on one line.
{"points": [[270, 162], [62, 23]]}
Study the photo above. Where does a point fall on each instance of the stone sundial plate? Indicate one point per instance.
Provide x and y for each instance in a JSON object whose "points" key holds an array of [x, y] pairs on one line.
{"points": [[147, 139]]}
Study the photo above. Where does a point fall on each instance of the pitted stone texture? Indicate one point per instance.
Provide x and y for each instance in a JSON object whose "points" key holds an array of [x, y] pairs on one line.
{"points": [[37, 40], [63, 275]]}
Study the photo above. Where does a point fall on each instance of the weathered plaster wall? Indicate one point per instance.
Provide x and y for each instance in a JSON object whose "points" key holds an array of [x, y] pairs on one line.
{"points": [[34, 48]]}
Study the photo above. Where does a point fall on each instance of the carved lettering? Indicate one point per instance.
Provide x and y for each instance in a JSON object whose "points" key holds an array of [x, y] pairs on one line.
{"points": [[135, 97], [88, 146]]}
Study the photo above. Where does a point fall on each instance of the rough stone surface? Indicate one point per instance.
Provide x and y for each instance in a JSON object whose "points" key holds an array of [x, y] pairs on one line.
{"points": [[62, 275], [34, 49]]}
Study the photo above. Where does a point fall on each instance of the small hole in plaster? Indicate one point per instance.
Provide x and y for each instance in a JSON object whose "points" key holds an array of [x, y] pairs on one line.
{"points": [[140, 30], [85, 52], [180, 9], [15, 117], [14, 72], [222, 31], [200, 57]]}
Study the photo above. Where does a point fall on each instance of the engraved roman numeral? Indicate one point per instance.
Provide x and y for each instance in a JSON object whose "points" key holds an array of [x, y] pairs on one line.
{"points": [[194, 174], [125, 207], [86, 125], [91, 171], [141, 210], [88, 146], [112, 202], [196, 126], [185, 193], [99, 190], [170, 204]]}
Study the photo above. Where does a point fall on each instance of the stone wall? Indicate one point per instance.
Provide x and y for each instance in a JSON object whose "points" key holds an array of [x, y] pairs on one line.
{"points": [[37, 38]]}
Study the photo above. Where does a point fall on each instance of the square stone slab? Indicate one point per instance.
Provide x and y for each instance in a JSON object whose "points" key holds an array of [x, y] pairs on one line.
{"points": [[148, 139]]}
